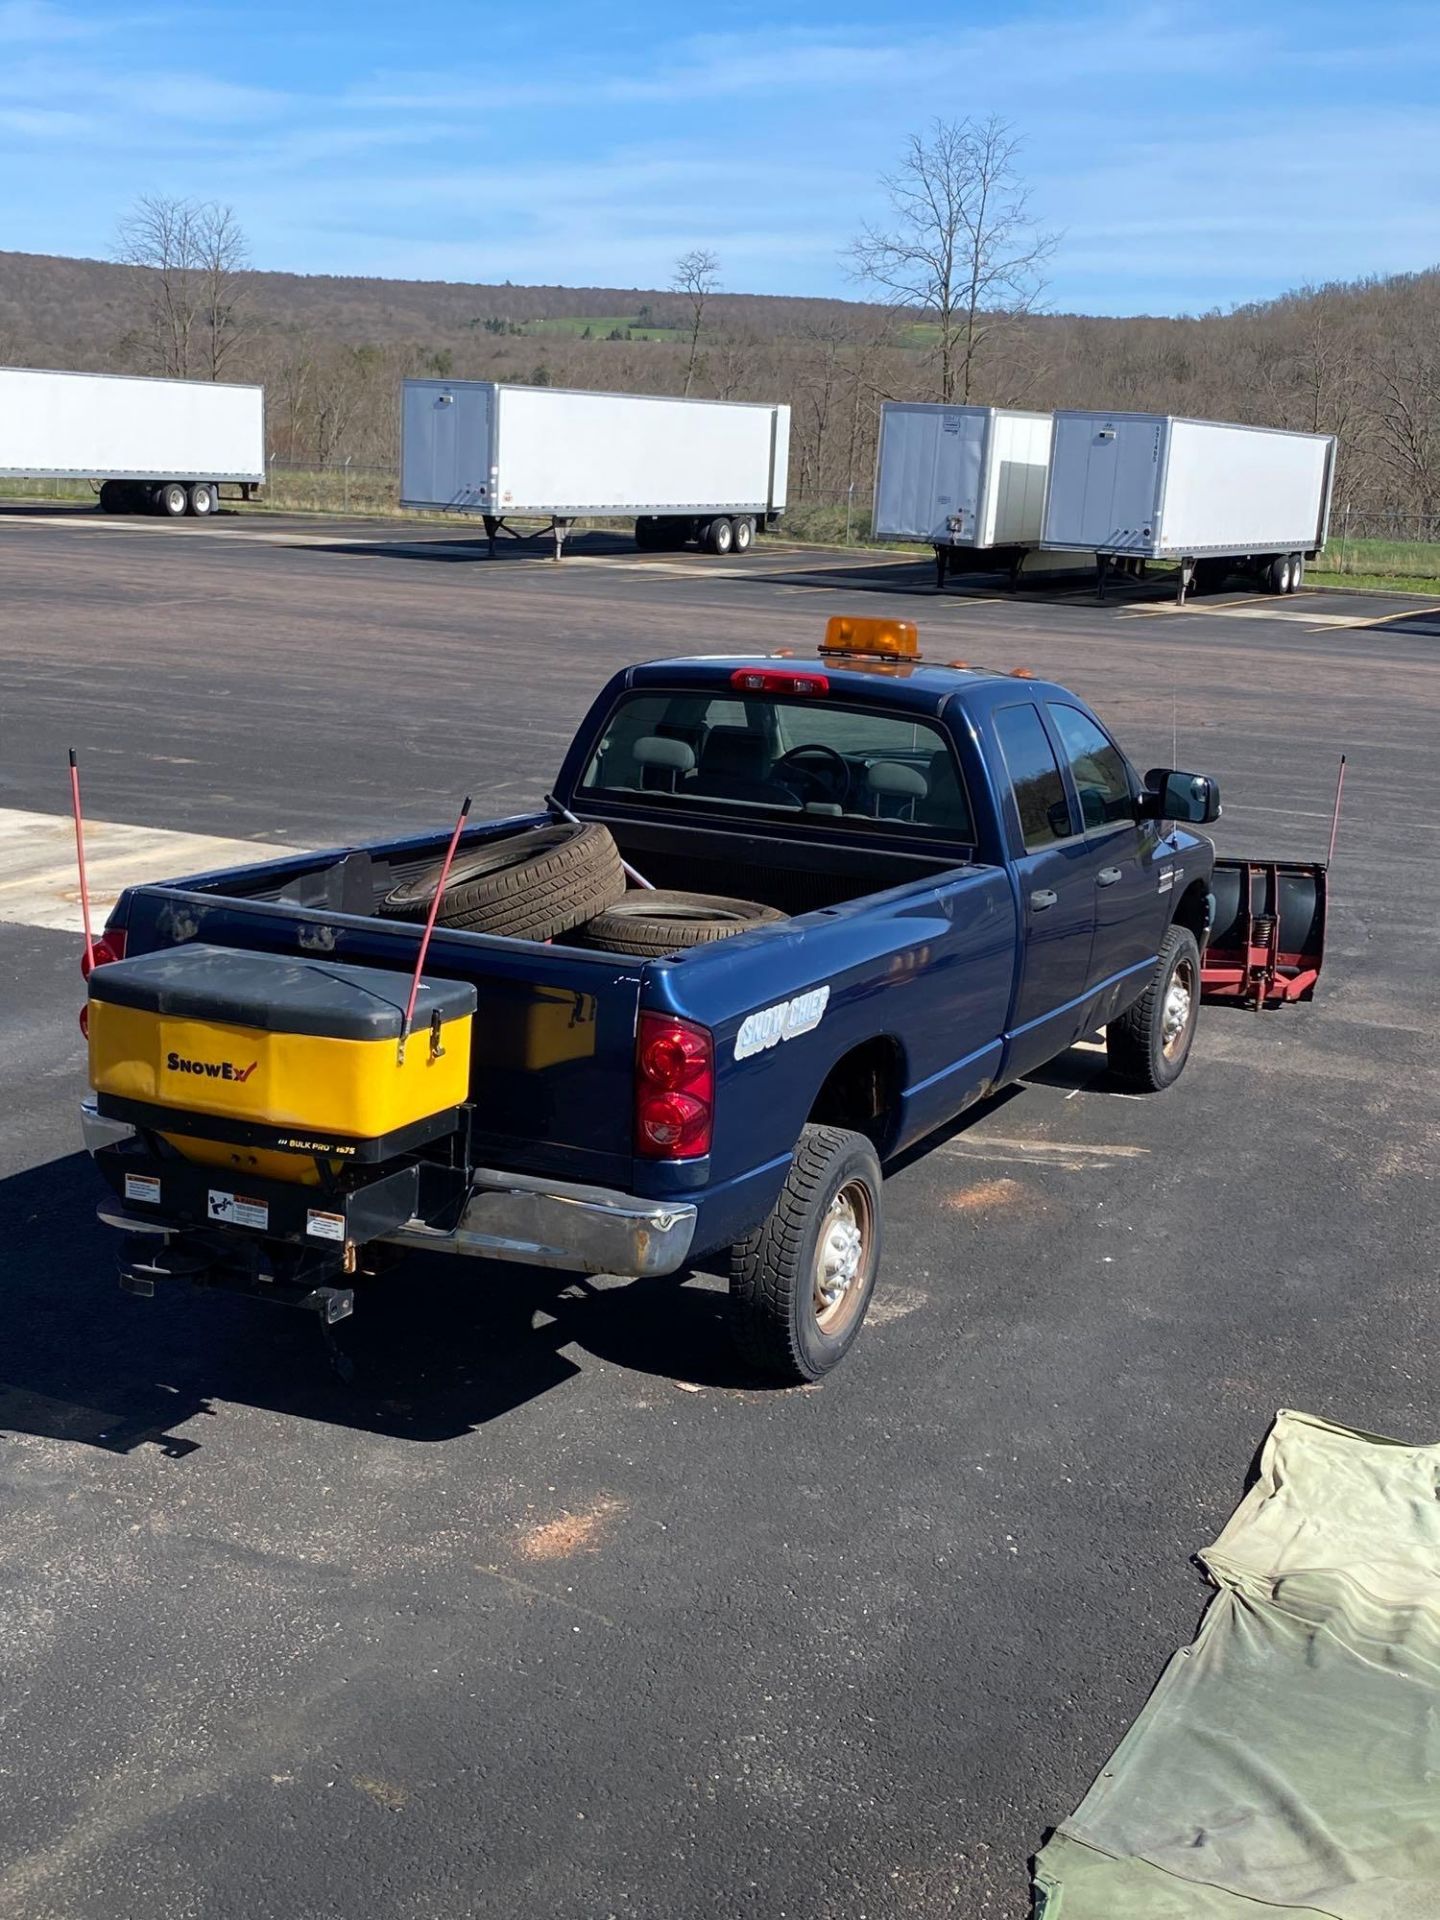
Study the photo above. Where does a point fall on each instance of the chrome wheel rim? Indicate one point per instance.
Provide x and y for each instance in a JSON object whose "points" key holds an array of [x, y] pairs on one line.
{"points": [[1178, 1009], [842, 1258]]}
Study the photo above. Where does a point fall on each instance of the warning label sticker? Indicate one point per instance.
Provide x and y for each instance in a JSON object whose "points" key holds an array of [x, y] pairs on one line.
{"points": [[142, 1186], [325, 1226], [234, 1210]]}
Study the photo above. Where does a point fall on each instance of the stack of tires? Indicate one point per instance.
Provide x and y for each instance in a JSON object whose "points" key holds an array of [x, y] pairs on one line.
{"points": [[567, 879]]}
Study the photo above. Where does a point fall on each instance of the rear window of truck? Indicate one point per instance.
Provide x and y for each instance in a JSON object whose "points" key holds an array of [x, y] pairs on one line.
{"points": [[736, 754]]}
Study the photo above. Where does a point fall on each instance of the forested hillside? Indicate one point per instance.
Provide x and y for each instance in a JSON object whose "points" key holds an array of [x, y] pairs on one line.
{"points": [[1361, 360]]}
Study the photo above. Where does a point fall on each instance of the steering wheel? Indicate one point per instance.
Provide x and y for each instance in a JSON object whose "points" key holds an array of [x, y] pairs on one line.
{"points": [[795, 759]]}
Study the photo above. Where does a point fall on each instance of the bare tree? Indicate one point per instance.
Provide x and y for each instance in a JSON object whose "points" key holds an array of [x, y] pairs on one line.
{"points": [[963, 247], [697, 276], [190, 256]]}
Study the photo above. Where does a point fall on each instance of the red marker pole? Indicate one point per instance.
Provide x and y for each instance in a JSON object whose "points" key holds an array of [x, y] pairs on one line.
{"points": [[1335, 816], [430, 926], [80, 860]]}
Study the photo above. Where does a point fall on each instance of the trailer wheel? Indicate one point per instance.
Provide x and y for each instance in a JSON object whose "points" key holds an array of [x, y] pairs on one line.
{"points": [[531, 886], [1297, 572], [744, 533], [801, 1282], [172, 499], [1277, 579], [1149, 1044], [651, 923], [204, 499], [720, 535]]}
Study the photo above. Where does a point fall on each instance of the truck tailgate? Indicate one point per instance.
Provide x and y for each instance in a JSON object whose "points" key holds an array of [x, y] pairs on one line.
{"points": [[554, 1033]]}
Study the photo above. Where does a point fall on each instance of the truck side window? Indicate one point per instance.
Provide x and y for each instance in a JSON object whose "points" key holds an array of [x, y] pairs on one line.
{"points": [[1034, 775], [1097, 767]]}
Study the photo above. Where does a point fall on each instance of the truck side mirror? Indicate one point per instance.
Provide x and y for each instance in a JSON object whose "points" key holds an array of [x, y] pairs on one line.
{"points": [[1192, 798]]}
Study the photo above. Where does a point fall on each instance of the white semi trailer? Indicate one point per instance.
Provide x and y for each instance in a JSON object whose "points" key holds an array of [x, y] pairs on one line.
{"points": [[1215, 497], [970, 481], [707, 470], [157, 446]]}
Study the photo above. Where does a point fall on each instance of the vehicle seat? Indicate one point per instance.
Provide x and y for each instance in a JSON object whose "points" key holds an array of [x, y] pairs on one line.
{"points": [[732, 766], [895, 789], [662, 762], [945, 805]]}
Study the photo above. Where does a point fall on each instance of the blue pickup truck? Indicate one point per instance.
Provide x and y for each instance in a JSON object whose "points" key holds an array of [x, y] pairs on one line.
{"points": [[882, 889]]}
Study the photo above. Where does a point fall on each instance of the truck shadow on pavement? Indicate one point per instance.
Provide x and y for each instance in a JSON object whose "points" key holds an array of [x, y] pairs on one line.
{"points": [[437, 1347]]}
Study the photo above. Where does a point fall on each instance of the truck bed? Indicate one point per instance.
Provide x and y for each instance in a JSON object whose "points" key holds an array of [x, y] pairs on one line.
{"points": [[554, 1043]]}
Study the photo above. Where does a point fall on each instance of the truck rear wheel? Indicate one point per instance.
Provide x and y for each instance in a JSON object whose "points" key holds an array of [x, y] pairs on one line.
{"points": [[204, 499], [1277, 578], [1148, 1045], [744, 533], [530, 886], [720, 535], [172, 499], [801, 1282]]}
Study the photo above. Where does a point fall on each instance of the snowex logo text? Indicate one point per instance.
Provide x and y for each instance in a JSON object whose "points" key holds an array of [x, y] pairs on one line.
{"points": [[211, 1069]]}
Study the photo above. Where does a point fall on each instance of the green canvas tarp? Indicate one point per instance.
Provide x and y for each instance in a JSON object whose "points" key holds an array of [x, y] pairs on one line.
{"points": [[1288, 1761]]}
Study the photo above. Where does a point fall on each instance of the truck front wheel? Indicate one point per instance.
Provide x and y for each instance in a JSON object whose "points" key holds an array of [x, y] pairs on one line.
{"points": [[801, 1282], [1148, 1045]]}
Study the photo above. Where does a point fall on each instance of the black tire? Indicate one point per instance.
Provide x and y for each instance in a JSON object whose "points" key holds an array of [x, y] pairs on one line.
{"points": [[777, 1272], [1140, 1054], [652, 923], [744, 533], [529, 886], [172, 499], [204, 499], [720, 535], [1297, 572], [1277, 576], [114, 496]]}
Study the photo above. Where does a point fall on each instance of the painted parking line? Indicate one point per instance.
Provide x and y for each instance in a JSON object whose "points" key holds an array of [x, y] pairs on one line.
{"points": [[38, 882]]}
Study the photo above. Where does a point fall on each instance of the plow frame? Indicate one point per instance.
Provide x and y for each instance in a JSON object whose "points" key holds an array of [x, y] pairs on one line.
{"points": [[1257, 969]]}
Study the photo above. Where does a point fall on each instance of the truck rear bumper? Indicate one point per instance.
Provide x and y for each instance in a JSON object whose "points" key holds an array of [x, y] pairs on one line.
{"points": [[547, 1223], [508, 1216]]}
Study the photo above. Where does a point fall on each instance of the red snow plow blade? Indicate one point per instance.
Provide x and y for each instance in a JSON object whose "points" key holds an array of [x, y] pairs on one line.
{"points": [[1267, 940]]}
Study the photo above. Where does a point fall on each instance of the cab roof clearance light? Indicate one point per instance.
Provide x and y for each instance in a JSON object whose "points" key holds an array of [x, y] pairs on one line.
{"points": [[875, 638]]}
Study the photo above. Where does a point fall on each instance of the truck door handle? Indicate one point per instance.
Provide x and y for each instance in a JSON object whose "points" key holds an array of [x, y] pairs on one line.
{"points": [[1108, 876], [1043, 897]]}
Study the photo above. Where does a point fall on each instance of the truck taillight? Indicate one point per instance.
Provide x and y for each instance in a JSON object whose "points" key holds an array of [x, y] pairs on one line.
{"points": [[674, 1088], [110, 946]]}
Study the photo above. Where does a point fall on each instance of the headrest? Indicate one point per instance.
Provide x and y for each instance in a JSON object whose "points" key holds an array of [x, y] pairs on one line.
{"points": [[656, 751]]}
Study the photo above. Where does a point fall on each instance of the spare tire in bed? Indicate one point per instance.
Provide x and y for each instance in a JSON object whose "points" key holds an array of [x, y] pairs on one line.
{"points": [[650, 922], [530, 886]]}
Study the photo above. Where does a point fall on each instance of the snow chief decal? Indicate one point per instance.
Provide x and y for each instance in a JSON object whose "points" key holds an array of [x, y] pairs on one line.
{"points": [[211, 1069], [771, 1025]]}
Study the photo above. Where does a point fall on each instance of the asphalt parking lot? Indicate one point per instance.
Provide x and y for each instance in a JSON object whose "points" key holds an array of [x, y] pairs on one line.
{"points": [[556, 1614]]}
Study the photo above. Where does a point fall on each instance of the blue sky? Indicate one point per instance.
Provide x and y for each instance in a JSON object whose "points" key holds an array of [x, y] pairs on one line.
{"points": [[1194, 156]]}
